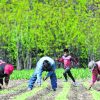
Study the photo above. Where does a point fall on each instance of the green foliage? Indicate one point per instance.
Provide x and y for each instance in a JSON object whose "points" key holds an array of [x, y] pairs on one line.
{"points": [[81, 73], [50, 26], [26, 74], [22, 74]]}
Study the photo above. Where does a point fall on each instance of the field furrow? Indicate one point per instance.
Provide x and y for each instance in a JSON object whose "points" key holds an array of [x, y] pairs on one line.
{"points": [[52, 94], [65, 91], [79, 93]]}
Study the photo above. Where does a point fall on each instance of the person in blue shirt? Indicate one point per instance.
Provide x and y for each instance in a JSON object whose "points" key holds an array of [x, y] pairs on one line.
{"points": [[44, 64]]}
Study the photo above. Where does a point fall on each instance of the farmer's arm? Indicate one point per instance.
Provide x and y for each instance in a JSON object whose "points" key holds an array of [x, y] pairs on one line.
{"points": [[1, 62], [74, 60], [39, 77], [50, 71], [94, 78], [48, 74], [7, 77], [60, 60]]}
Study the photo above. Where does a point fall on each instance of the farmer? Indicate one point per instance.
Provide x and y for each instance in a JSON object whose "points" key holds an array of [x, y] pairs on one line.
{"points": [[67, 59], [95, 68], [5, 72], [44, 64]]}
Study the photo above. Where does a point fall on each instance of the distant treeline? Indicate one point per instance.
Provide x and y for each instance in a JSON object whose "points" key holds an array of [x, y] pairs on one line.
{"points": [[30, 29]]}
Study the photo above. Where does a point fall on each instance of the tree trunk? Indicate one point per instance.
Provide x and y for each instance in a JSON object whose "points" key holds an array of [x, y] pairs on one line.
{"points": [[31, 4], [19, 58]]}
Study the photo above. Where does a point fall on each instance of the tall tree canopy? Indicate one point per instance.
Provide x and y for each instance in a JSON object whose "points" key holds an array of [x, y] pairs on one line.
{"points": [[32, 28]]}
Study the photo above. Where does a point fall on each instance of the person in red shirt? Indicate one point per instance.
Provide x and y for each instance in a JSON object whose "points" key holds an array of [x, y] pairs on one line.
{"points": [[95, 68], [5, 72], [67, 60]]}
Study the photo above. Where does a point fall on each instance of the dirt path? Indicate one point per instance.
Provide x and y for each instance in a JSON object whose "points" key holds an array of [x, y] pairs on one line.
{"points": [[79, 93], [47, 93]]}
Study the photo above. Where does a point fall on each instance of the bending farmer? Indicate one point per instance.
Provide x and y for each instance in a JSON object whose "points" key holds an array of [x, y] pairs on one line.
{"points": [[5, 72], [95, 68], [44, 64]]}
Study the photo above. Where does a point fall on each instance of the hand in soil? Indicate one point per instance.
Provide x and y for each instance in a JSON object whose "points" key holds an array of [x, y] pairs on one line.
{"points": [[1, 85], [38, 85], [44, 78], [5, 87], [87, 88], [29, 89]]}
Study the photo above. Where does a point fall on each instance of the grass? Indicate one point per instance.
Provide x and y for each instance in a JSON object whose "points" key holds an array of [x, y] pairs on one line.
{"points": [[81, 73], [21, 74], [63, 94], [26, 74], [95, 94]]}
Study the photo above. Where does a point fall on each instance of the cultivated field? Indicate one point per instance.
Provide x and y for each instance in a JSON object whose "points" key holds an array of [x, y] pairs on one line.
{"points": [[17, 89]]}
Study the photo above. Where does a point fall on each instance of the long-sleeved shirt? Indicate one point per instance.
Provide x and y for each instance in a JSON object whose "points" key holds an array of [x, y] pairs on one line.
{"points": [[39, 65], [3, 74], [96, 72], [66, 60]]}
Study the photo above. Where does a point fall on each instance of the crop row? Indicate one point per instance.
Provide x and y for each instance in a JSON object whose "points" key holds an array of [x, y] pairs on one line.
{"points": [[77, 73]]}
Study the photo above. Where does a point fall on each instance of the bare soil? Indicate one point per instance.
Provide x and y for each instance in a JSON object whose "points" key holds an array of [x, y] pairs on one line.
{"points": [[96, 86], [79, 93], [47, 93], [13, 84], [75, 93]]}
